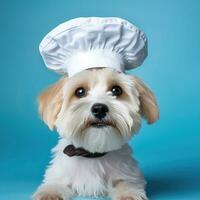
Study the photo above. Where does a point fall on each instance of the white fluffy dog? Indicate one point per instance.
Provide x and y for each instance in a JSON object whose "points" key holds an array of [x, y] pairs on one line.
{"points": [[95, 113]]}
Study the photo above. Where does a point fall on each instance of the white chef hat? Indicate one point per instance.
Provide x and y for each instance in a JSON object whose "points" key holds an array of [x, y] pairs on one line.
{"points": [[92, 42]]}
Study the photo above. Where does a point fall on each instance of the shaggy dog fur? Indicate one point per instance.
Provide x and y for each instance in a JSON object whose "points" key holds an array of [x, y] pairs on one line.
{"points": [[115, 174]]}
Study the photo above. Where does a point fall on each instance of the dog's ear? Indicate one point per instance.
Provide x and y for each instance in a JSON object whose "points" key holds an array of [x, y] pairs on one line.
{"points": [[148, 105], [50, 102]]}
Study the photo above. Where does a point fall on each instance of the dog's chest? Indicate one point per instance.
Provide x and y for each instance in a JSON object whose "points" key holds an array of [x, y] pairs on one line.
{"points": [[88, 177]]}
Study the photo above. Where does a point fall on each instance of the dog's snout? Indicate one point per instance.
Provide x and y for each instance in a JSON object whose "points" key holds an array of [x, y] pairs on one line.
{"points": [[99, 110]]}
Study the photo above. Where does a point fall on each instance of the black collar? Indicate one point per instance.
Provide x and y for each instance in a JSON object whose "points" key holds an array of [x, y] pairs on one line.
{"points": [[71, 150]]}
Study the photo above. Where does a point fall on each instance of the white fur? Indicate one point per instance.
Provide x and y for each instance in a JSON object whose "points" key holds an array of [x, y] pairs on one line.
{"points": [[92, 177], [116, 174], [70, 120]]}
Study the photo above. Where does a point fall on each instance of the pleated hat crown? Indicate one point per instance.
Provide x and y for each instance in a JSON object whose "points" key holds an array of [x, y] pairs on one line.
{"points": [[92, 42]]}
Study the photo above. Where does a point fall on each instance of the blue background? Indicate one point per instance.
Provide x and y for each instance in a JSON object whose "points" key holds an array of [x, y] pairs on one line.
{"points": [[168, 152]]}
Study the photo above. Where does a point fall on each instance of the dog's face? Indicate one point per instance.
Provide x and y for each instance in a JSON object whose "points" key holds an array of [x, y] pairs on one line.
{"points": [[98, 109]]}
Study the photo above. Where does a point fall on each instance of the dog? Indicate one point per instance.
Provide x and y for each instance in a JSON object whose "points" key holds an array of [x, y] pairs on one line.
{"points": [[95, 112]]}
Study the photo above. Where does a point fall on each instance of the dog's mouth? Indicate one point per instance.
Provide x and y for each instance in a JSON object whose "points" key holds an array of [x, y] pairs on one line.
{"points": [[100, 124]]}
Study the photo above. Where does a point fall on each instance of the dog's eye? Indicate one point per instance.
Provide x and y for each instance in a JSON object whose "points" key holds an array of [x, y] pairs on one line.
{"points": [[116, 90], [80, 92]]}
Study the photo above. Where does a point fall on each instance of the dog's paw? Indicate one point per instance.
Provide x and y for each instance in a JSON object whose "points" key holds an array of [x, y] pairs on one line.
{"points": [[133, 197], [130, 196], [127, 191], [127, 198], [52, 192], [48, 197]]}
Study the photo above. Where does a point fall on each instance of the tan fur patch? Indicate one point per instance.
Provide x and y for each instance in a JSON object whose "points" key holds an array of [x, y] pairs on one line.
{"points": [[50, 102], [148, 105]]}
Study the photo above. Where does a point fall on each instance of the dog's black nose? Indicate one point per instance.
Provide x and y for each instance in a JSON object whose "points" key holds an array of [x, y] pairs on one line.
{"points": [[99, 110]]}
